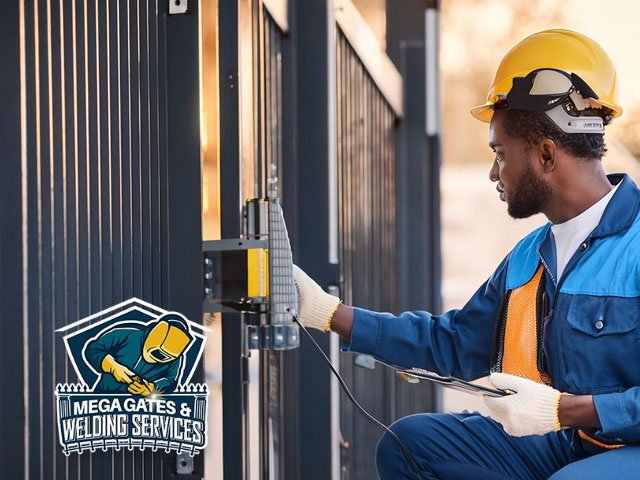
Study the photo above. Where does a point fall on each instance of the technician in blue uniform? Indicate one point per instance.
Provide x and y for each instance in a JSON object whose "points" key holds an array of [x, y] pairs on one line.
{"points": [[140, 359], [558, 322]]}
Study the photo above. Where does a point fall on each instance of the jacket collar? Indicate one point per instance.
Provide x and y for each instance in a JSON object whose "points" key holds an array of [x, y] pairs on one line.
{"points": [[618, 216], [622, 209]]}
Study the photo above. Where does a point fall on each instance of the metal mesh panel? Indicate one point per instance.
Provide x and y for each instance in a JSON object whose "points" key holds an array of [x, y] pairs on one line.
{"points": [[366, 159], [368, 245]]}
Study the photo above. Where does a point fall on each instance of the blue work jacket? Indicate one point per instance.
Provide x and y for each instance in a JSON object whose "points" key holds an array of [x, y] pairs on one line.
{"points": [[591, 335], [125, 344]]}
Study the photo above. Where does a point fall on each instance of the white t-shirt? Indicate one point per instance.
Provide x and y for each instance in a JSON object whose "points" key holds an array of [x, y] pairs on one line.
{"points": [[570, 234]]}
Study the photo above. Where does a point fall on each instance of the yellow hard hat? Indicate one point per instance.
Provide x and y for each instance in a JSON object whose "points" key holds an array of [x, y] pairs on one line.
{"points": [[562, 50]]}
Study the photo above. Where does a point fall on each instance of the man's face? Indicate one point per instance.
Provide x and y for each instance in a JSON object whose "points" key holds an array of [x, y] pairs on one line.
{"points": [[522, 187]]}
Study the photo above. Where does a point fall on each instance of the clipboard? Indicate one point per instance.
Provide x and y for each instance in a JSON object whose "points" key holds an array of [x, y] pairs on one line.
{"points": [[414, 375]]}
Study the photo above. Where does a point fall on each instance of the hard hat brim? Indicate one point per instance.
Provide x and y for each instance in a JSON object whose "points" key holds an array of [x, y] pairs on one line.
{"points": [[616, 110], [484, 113]]}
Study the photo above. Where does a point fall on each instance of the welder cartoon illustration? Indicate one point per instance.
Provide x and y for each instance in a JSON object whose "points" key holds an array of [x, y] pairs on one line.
{"points": [[140, 358]]}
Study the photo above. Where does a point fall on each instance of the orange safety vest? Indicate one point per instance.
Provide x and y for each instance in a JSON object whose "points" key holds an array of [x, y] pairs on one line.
{"points": [[517, 346]]}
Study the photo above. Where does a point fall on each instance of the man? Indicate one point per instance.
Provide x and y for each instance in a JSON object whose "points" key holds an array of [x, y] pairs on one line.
{"points": [[140, 358], [558, 321]]}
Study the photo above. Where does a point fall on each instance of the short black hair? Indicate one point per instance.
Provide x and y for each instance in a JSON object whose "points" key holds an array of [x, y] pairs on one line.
{"points": [[531, 127]]}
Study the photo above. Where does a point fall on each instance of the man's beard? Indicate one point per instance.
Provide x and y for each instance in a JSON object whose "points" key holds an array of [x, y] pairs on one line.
{"points": [[530, 195]]}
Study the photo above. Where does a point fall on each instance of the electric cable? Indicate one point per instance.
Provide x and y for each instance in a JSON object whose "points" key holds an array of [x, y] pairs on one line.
{"points": [[403, 449]]}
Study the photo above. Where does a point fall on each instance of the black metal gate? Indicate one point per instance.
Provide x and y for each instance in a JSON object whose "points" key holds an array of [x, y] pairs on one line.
{"points": [[100, 188], [370, 251], [105, 194]]}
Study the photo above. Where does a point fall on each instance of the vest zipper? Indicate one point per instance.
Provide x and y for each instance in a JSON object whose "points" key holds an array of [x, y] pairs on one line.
{"points": [[498, 337], [570, 266], [541, 311]]}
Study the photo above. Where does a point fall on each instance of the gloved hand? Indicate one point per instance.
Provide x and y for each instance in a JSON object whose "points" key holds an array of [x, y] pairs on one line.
{"points": [[532, 410], [316, 306], [141, 387], [121, 373]]}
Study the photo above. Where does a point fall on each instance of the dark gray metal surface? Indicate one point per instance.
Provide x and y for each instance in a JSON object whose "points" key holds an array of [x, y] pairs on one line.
{"points": [[308, 223], [233, 364], [418, 166], [12, 408], [110, 201]]}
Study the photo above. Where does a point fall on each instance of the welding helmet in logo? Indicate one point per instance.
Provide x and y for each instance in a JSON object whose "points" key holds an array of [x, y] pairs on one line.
{"points": [[167, 339]]}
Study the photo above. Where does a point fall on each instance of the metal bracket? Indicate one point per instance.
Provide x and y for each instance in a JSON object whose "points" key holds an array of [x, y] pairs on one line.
{"points": [[365, 361], [184, 464], [232, 244], [178, 7], [225, 283], [272, 337]]}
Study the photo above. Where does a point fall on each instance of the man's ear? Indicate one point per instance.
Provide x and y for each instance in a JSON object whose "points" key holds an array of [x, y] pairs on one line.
{"points": [[547, 155]]}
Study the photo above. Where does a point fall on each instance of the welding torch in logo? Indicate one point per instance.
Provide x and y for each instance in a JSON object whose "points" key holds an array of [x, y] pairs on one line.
{"points": [[138, 358]]}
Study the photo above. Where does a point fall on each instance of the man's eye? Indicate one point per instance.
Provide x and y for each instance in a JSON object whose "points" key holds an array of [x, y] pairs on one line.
{"points": [[499, 157]]}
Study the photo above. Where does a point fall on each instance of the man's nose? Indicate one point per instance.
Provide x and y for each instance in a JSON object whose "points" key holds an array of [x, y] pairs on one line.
{"points": [[493, 173]]}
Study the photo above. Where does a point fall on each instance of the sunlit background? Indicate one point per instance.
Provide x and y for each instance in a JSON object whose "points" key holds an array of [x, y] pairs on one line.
{"points": [[475, 34]]}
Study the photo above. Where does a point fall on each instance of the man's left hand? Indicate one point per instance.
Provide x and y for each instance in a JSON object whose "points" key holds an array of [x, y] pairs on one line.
{"points": [[531, 410], [141, 387]]}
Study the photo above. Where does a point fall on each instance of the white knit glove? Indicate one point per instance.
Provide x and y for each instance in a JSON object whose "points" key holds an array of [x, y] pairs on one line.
{"points": [[532, 410], [316, 306]]}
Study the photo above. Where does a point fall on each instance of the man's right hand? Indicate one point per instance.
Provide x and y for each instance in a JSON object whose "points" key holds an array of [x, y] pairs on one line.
{"points": [[316, 306], [121, 373]]}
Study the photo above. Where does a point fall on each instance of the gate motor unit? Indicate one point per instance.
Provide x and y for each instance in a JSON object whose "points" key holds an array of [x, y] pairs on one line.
{"points": [[253, 275]]}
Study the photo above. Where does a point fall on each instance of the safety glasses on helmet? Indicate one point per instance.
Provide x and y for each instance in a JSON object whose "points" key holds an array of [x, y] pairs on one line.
{"points": [[561, 95]]}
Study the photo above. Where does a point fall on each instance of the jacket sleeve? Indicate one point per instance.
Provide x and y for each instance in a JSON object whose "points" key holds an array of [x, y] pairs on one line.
{"points": [[109, 343], [619, 414], [169, 381], [456, 343]]}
